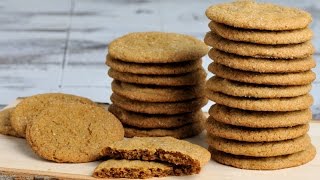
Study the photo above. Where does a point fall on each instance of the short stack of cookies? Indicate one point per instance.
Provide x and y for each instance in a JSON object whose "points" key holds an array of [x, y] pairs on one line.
{"points": [[158, 87], [262, 64]]}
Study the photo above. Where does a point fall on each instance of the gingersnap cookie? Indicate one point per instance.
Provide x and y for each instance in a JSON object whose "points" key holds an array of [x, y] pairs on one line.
{"points": [[156, 93], [239, 133], [259, 149], [262, 16], [161, 149], [286, 79], [151, 121], [261, 37], [5, 123], [259, 119], [262, 65], [153, 68], [289, 51], [158, 108], [133, 169], [234, 88], [262, 104], [187, 79], [73, 132], [157, 47], [182, 132], [264, 163], [30, 107]]}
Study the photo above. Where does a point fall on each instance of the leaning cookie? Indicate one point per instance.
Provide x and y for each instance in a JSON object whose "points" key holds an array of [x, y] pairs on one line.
{"points": [[163, 149], [5, 123]]}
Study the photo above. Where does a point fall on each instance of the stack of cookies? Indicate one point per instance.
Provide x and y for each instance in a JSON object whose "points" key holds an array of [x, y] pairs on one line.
{"points": [[262, 64], [158, 87]]}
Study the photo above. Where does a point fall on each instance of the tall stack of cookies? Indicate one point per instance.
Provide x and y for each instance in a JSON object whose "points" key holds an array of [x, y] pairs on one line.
{"points": [[158, 86], [262, 64]]}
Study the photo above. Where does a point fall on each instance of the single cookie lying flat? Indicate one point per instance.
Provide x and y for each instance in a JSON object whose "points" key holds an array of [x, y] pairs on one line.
{"points": [[73, 132], [301, 78], [290, 51], [182, 132], [234, 88], [151, 121], [152, 68], [5, 123], [257, 104], [259, 149], [187, 79], [260, 36], [156, 93], [239, 133], [30, 107], [254, 15], [133, 169], [264, 163], [158, 108], [164, 149], [157, 47], [258, 119], [262, 65]]}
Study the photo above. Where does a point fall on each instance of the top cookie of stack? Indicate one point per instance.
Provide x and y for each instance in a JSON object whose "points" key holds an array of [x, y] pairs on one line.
{"points": [[262, 61], [158, 87]]}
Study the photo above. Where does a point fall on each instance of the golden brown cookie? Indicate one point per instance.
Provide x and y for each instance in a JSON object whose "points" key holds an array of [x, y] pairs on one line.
{"points": [[153, 68], [264, 163], [261, 37], [163, 149], [30, 107], [239, 133], [149, 121], [260, 64], [262, 104], [181, 132], [259, 119], [234, 88], [290, 51], [133, 169], [259, 149], [188, 79], [254, 15], [158, 108], [157, 47], [73, 132], [156, 93], [5, 123], [301, 78]]}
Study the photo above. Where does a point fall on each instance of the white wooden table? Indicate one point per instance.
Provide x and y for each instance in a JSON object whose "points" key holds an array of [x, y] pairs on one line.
{"points": [[60, 45]]}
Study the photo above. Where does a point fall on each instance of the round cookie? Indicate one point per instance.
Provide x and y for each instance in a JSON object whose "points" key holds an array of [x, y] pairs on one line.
{"points": [[152, 68], [234, 88], [148, 121], [254, 15], [73, 132], [255, 104], [157, 47], [182, 132], [30, 107], [188, 79], [261, 37], [5, 124], [286, 79], [156, 93], [260, 149], [264, 163], [158, 108], [262, 65], [239, 133], [258, 119], [290, 51]]}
